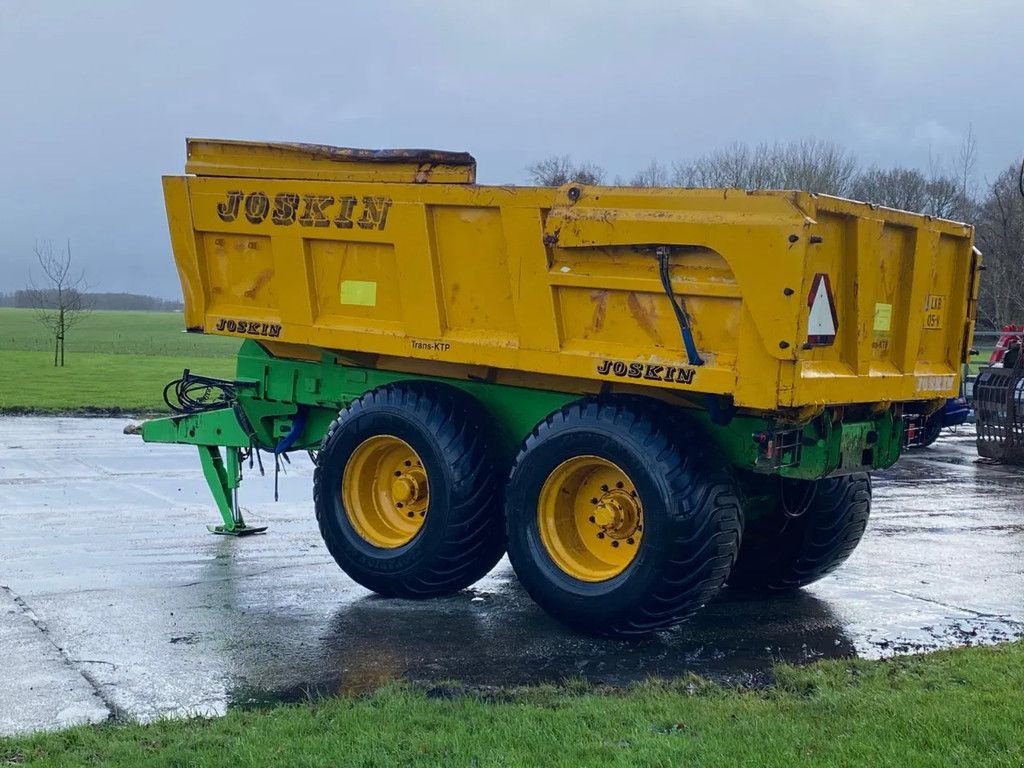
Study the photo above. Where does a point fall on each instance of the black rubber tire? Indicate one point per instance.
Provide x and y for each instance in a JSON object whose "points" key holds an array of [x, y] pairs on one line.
{"points": [[692, 517], [783, 553], [932, 430], [462, 536]]}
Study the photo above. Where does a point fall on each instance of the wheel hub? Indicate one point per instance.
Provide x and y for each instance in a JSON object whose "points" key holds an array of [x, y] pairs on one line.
{"points": [[590, 518], [617, 514], [409, 486], [385, 491]]}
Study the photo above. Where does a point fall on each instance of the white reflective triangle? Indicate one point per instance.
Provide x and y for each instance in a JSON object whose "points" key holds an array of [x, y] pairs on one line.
{"points": [[821, 321]]}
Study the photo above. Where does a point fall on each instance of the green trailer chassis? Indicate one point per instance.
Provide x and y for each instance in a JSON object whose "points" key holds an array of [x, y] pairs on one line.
{"points": [[287, 405]]}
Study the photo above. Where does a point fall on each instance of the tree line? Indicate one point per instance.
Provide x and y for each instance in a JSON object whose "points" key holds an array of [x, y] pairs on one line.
{"points": [[23, 299], [947, 190]]}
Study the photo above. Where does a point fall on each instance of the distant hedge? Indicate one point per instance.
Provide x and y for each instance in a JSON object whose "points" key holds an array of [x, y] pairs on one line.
{"points": [[125, 301]]}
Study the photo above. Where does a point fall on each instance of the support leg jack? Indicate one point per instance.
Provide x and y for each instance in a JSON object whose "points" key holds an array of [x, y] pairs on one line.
{"points": [[223, 481]]}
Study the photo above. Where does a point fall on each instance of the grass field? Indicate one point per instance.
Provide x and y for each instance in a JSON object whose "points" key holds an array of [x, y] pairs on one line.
{"points": [[981, 358], [113, 360], [958, 707]]}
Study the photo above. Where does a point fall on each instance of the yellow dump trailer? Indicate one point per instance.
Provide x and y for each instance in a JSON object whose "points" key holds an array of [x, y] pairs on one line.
{"points": [[617, 385]]}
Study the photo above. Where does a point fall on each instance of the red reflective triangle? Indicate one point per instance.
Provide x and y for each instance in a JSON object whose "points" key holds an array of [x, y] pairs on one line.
{"points": [[822, 321]]}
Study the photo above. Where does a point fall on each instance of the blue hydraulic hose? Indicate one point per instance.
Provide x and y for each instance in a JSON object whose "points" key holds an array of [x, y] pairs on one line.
{"points": [[298, 424]]}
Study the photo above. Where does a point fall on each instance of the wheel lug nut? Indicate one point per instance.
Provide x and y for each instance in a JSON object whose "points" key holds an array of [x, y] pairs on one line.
{"points": [[615, 543], [600, 535], [593, 519], [410, 514], [593, 501], [630, 540], [604, 488], [620, 484]]}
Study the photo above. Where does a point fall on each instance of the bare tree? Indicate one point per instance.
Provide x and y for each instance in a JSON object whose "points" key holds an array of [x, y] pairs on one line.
{"points": [[1000, 234], [811, 165], [59, 304], [905, 189], [654, 175], [558, 170], [908, 189], [736, 166], [818, 166], [966, 160], [946, 199]]}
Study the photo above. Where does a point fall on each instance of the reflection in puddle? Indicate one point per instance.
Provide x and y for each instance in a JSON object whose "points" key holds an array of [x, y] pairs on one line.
{"points": [[503, 640]]}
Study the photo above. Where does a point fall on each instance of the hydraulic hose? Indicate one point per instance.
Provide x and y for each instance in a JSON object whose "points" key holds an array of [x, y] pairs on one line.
{"points": [[692, 355], [298, 424]]}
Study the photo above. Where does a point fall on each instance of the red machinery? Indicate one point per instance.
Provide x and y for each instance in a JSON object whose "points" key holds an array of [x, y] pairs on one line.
{"points": [[1009, 334], [999, 400]]}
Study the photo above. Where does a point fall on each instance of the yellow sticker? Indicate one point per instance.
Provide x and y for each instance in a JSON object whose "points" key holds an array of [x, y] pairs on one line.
{"points": [[362, 293], [883, 317]]}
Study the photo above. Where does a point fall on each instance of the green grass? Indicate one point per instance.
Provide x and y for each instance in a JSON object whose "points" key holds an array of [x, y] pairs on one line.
{"points": [[981, 359], [960, 707], [113, 360]]}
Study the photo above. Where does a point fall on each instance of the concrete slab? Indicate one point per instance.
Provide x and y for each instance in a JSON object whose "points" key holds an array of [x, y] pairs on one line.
{"points": [[40, 688]]}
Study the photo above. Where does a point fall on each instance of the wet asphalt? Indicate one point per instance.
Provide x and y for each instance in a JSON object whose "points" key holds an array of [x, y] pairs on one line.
{"points": [[115, 602]]}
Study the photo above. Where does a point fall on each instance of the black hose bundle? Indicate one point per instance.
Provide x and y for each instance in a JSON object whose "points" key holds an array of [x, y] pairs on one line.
{"points": [[194, 394], [692, 355]]}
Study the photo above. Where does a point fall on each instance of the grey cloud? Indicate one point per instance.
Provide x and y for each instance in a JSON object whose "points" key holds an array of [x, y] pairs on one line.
{"points": [[97, 98]]}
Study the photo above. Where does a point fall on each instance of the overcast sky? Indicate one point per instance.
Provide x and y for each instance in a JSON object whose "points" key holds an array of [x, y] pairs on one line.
{"points": [[96, 98]]}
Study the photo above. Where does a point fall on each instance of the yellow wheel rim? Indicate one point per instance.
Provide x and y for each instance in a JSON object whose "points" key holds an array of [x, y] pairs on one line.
{"points": [[385, 492], [590, 518]]}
